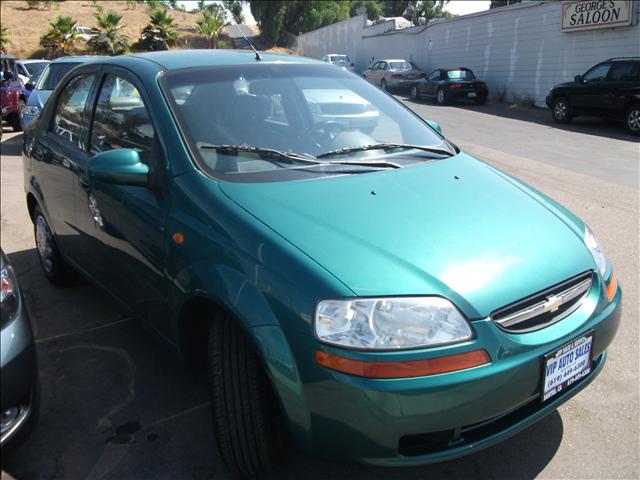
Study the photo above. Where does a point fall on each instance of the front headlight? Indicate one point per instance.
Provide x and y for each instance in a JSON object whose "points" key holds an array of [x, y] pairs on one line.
{"points": [[32, 110], [390, 323], [9, 293], [593, 245]]}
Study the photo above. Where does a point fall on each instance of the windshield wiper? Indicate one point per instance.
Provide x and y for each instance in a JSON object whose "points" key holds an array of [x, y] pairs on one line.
{"points": [[292, 157], [384, 146]]}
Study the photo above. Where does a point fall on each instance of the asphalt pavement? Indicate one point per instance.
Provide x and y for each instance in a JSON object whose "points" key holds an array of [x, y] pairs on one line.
{"points": [[116, 404]]}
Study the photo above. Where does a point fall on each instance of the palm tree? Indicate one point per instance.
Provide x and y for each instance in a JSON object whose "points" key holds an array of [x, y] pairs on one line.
{"points": [[4, 39], [61, 36], [210, 24], [109, 40], [160, 32]]}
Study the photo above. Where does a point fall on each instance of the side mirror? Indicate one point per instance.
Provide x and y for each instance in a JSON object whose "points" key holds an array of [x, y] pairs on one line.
{"points": [[29, 86], [435, 126], [120, 167], [578, 78]]}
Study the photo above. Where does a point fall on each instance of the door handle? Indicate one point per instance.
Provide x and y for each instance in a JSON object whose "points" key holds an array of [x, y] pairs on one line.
{"points": [[84, 183]]}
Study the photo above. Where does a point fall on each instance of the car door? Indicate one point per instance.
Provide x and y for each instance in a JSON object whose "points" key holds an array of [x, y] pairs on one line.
{"points": [[588, 97], [58, 155], [621, 79], [126, 251], [429, 85], [370, 73]]}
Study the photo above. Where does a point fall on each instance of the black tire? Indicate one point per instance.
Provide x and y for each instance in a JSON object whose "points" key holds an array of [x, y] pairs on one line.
{"points": [[415, 94], [246, 418], [383, 84], [14, 121], [561, 110], [632, 119], [21, 106], [481, 100], [57, 271], [441, 97]]}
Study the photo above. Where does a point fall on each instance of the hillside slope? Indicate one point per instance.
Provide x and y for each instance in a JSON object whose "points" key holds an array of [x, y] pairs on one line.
{"points": [[25, 27]]}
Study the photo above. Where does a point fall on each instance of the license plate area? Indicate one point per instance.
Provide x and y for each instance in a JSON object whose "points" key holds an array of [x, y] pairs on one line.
{"points": [[471, 94], [567, 365]]}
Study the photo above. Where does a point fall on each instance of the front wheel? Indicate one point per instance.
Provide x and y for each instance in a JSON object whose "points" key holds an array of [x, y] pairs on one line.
{"points": [[414, 93], [14, 121], [246, 418], [561, 110], [632, 119], [383, 84], [441, 97], [53, 265]]}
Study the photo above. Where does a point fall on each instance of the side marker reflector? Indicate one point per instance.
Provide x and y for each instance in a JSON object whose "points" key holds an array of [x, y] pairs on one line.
{"points": [[409, 369], [612, 286]]}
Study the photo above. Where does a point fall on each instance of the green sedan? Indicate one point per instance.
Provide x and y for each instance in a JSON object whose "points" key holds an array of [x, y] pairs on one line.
{"points": [[369, 293]]}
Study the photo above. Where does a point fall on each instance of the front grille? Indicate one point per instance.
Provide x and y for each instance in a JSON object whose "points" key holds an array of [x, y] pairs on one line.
{"points": [[544, 308]]}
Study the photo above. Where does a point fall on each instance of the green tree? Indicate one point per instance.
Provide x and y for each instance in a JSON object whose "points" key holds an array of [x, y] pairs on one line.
{"points": [[394, 8], [374, 8], [502, 3], [4, 39], [210, 24], [160, 33], [61, 36], [234, 7], [296, 16], [420, 12], [109, 41]]}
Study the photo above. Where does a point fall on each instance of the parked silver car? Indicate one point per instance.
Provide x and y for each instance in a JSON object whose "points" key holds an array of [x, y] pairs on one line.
{"points": [[393, 73], [18, 372], [339, 59]]}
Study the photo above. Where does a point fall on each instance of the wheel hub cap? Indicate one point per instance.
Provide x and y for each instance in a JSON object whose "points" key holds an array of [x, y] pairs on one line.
{"points": [[634, 120], [440, 96], [44, 243], [560, 110]]}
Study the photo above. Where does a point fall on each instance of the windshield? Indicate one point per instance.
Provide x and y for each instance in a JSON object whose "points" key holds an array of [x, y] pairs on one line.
{"points": [[402, 65], [460, 75], [305, 110], [35, 68], [340, 59], [53, 74]]}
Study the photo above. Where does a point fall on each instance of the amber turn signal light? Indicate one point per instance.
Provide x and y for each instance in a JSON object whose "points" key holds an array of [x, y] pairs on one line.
{"points": [[409, 369], [612, 286]]}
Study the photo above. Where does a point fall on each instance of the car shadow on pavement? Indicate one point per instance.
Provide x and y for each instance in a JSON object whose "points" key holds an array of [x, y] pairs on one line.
{"points": [[542, 116], [11, 146], [117, 403]]}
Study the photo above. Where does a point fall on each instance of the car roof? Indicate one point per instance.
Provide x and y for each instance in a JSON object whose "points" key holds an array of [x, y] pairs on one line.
{"points": [[173, 60], [33, 60], [78, 59], [393, 60], [452, 68]]}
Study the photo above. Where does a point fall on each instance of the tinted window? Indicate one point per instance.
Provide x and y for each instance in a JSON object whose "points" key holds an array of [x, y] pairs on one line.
{"points": [[35, 68], [54, 74], [67, 121], [624, 71], [402, 65], [599, 72], [460, 75], [435, 75], [121, 119]]}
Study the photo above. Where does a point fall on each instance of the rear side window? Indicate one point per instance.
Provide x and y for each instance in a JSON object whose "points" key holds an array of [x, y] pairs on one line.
{"points": [[67, 120], [121, 119], [624, 71]]}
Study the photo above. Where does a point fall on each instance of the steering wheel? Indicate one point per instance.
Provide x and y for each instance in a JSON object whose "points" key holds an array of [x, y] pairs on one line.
{"points": [[325, 132]]}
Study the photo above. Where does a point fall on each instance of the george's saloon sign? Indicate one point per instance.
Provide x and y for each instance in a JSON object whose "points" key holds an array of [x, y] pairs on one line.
{"points": [[590, 14]]}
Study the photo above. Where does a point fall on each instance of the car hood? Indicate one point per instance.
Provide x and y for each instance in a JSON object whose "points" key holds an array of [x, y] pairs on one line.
{"points": [[39, 98], [455, 228], [566, 84]]}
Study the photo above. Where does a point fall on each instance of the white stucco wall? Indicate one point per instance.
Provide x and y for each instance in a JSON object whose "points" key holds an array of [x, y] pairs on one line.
{"points": [[518, 49]]}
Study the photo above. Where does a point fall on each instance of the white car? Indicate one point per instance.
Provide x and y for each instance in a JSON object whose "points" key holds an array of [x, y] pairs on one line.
{"points": [[29, 68], [343, 108], [339, 59], [85, 33]]}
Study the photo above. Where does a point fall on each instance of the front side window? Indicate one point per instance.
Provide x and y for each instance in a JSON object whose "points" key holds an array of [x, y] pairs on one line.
{"points": [[69, 113], [35, 68], [306, 110], [462, 74], [121, 119], [597, 73]]}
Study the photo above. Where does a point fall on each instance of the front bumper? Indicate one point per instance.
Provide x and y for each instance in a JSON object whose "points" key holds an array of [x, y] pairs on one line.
{"points": [[382, 422], [18, 374]]}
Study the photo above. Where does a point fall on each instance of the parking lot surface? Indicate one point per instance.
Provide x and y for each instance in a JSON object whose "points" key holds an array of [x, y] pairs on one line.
{"points": [[117, 404]]}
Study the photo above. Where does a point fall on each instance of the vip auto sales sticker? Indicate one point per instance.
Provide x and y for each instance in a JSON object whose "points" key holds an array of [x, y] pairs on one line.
{"points": [[567, 365]]}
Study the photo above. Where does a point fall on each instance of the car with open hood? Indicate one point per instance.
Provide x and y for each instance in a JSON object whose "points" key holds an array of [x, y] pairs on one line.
{"points": [[373, 294]]}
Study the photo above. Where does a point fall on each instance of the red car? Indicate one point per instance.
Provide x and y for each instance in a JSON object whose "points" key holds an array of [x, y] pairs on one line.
{"points": [[10, 90]]}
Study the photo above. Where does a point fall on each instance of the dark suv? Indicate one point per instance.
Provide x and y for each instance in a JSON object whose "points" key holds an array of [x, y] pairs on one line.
{"points": [[610, 89]]}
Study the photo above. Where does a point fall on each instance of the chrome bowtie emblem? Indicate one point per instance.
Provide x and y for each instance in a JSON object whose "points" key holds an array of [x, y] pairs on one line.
{"points": [[552, 304]]}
